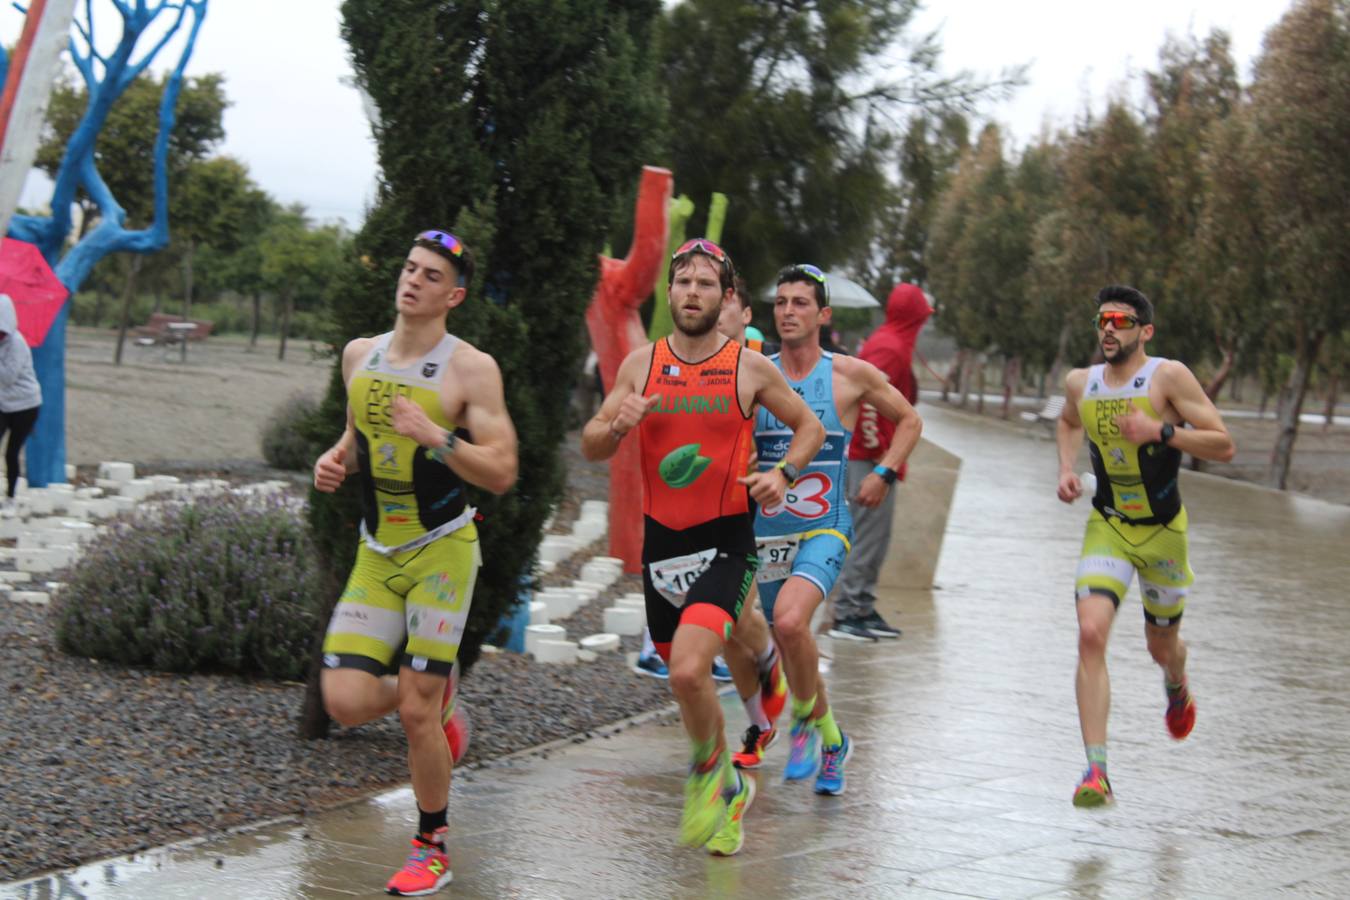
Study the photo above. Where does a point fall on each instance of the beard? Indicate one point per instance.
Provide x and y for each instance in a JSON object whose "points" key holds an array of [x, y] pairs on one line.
{"points": [[1122, 352], [699, 326]]}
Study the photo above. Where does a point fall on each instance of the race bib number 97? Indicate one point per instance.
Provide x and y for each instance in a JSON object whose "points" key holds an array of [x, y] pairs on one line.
{"points": [[673, 577], [775, 557]]}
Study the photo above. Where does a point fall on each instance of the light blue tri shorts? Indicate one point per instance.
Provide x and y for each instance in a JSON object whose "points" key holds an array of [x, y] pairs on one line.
{"points": [[819, 559]]}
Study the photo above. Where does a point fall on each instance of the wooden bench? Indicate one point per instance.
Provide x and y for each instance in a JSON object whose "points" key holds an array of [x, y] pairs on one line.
{"points": [[157, 330], [1048, 414]]}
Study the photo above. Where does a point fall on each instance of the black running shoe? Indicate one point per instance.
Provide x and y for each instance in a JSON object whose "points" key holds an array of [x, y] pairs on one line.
{"points": [[851, 630], [879, 626]]}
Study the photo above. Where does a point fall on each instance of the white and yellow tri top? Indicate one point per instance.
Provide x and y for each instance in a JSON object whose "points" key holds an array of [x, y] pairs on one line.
{"points": [[1137, 484], [409, 496]]}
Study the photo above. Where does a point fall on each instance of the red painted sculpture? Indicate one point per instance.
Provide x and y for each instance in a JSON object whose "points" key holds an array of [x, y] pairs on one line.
{"points": [[616, 330]]}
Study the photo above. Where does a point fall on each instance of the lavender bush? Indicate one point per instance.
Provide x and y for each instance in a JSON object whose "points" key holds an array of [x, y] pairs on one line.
{"points": [[285, 441], [223, 584]]}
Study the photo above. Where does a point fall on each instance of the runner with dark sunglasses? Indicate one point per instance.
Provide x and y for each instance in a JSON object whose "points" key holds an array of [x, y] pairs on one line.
{"points": [[1140, 414]]}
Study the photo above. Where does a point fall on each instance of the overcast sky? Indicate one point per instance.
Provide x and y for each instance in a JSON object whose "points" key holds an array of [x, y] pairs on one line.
{"points": [[305, 138]]}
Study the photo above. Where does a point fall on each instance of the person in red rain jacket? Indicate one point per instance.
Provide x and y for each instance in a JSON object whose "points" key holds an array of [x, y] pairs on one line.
{"points": [[871, 501]]}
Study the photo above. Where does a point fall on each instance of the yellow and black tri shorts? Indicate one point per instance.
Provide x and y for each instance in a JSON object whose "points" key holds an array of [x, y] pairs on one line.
{"points": [[415, 601], [1114, 550]]}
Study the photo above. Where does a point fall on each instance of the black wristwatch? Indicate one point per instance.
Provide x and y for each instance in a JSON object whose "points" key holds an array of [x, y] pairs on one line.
{"points": [[1168, 430], [886, 474], [790, 472]]}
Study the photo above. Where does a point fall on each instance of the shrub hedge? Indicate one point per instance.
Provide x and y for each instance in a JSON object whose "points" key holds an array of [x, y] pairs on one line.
{"points": [[225, 584]]}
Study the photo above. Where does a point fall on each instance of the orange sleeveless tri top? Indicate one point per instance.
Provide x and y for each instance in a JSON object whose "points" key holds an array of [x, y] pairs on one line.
{"points": [[695, 440]]}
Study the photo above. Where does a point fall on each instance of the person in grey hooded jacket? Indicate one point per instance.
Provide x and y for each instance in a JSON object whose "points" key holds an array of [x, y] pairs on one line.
{"points": [[20, 394]]}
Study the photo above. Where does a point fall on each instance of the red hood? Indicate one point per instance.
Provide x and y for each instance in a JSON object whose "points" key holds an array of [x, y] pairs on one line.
{"points": [[906, 310]]}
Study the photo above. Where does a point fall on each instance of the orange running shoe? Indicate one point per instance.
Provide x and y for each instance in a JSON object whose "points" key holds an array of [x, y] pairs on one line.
{"points": [[1180, 714], [751, 754], [773, 690], [426, 871], [1094, 789]]}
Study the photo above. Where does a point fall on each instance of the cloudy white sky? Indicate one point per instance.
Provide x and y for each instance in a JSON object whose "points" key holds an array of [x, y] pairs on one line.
{"points": [[304, 136]]}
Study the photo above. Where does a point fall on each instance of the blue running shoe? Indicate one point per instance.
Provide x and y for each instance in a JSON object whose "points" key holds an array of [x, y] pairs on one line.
{"points": [[720, 672], [803, 752], [652, 666], [831, 778]]}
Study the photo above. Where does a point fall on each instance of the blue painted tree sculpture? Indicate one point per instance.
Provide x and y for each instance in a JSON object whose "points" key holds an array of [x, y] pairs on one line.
{"points": [[106, 75]]}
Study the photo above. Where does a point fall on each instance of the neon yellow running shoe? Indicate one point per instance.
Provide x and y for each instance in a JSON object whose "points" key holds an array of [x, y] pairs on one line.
{"points": [[728, 840], [705, 805]]}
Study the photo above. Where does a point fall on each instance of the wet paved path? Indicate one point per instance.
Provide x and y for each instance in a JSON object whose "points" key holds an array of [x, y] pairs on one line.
{"points": [[968, 746]]}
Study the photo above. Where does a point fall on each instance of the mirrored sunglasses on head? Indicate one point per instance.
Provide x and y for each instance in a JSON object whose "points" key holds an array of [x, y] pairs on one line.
{"points": [[704, 246], [445, 239], [803, 271], [450, 243]]}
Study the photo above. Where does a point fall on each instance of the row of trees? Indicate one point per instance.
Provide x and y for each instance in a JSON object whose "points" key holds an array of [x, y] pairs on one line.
{"points": [[1224, 203], [228, 236]]}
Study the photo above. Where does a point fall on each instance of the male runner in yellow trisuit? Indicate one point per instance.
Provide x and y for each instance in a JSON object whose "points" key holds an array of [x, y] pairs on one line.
{"points": [[1140, 414], [408, 391]]}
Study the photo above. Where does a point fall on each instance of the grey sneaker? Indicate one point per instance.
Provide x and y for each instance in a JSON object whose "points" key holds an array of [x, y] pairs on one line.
{"points": [[879, 626], [854, 629]]}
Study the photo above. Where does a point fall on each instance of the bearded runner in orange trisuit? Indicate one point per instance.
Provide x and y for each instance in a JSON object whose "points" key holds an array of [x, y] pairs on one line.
{"points": [[689, 396]]}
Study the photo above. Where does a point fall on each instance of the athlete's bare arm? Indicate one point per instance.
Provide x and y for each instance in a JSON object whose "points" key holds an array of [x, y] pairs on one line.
{"points": [[623, 409], [876, 389], [471, 395], [1069, 436], [339, 461], [770, 389], [1206, 438]]}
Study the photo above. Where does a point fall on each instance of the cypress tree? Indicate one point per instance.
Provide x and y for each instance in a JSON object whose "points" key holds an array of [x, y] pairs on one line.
{"points": [[521, 127]]}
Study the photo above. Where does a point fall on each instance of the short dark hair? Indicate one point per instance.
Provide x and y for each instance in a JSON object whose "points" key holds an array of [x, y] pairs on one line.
{"points": [[1121, 293], [463, 262], [741, 292], [808, 274], [726, 269]]}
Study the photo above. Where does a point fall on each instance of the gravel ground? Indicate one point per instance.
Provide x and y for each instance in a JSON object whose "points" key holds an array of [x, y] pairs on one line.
{"points": [[98, 760]]}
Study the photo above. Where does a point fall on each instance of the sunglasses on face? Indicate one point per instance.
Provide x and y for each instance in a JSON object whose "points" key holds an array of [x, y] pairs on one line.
{"points": [[445, 239], [1118, 320]]}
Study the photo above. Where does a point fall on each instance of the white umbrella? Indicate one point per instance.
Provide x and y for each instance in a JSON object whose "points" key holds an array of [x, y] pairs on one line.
{"points": [[844, 293]]}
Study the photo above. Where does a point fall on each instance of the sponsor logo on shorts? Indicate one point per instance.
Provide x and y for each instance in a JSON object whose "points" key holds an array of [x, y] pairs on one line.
{"points": [[331, 661], [395, 507], [1098, 564], [419, 663]]}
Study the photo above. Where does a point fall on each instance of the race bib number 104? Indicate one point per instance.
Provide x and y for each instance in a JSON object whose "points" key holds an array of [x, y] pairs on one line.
{"points": [[673, 577]]}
